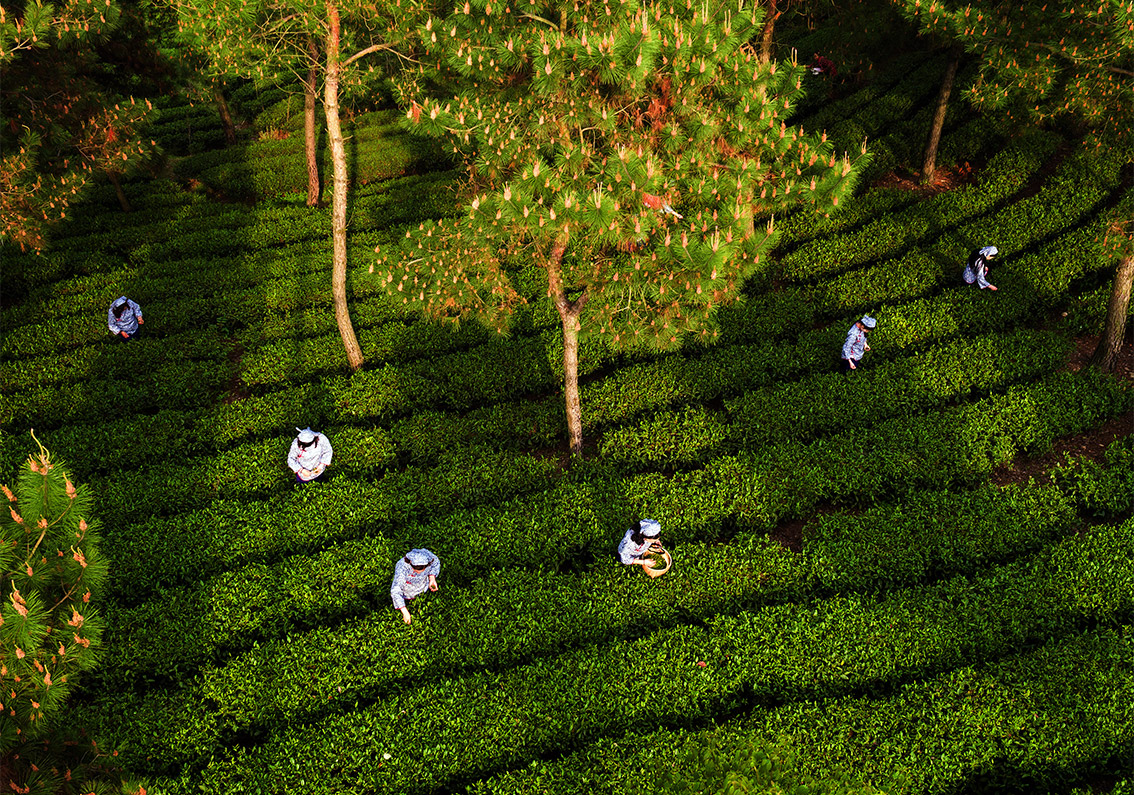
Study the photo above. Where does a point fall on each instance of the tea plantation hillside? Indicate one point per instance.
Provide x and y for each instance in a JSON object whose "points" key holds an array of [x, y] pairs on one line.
{"points": [[857, 572]]}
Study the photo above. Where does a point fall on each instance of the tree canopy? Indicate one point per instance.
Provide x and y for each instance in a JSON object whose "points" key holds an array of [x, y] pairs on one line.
{"points": [[629, 150], [1059, 58], [61, 123]]}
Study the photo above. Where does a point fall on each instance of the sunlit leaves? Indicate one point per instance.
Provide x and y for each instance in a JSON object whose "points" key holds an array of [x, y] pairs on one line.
{"points": [[641, 138]]}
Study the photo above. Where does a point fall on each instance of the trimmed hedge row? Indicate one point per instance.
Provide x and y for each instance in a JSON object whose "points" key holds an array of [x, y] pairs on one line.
{"points": [[831, 402], [167, 222], [1036, 280], [243, 300], [1006, 173], [166, 383], [1049, 718], [253, 243], [465, 727], [381, 159], [1103, 490], [223, 533], [118, 362], [293, 359], [955, 446], [935, 534]]}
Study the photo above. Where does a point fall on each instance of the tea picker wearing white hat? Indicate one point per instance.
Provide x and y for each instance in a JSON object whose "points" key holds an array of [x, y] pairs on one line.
{"points": [[976, 269], [309, 456], [855, 345], [416, 571], [636, 543]]}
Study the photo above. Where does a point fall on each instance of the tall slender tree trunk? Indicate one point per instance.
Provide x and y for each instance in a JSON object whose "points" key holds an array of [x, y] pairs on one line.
{"points": [[310, 130], [770, 17], [569, 312], [929, 162], [225, 116], [121, 194], [1114, 330], [339, 202]]}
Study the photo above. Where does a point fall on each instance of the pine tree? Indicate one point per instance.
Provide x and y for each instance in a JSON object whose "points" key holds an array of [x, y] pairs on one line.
{"points": [[60, 124], [636, 152], [269, 38], [51, 573], [1059, 58]]}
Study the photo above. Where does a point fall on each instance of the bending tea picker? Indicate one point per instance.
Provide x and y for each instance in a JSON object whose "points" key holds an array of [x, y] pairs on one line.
{"points": [[855, 345], [309, 456], [414, 573], [641, 544], [976, 269], [123, 318]]}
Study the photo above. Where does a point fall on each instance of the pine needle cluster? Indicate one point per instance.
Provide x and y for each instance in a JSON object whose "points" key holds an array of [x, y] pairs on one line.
{"points": [[50, 572]]}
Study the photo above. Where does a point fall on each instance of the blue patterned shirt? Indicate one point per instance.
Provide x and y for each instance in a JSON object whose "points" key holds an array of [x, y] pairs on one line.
{"points": [[976, 270], [129, 320], [409, 583], [855, 345]]}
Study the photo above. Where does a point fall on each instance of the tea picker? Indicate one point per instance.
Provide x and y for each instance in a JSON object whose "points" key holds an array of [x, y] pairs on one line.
{"points": [[309, 456], [641, 544], [123, 318], [855, 345], [413, 574], [976, 269]]}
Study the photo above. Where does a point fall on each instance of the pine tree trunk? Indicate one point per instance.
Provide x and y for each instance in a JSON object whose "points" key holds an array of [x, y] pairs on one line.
{"points": [[929, 162], [571, 381], [770, 17], [117, 183], [569, 312], [225, 116], [310, 130], [339, 202], [1114, 331]]}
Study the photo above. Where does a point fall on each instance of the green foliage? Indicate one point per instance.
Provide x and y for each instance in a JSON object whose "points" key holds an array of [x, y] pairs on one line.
{"points": [[51, 633], [1071, 59], [62, 124], [50, 568], [592, 210], [850, 582], [734, 766]]}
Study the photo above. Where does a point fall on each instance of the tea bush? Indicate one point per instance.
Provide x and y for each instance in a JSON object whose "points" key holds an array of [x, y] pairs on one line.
{"points": [[777, 656], [847, 574]]}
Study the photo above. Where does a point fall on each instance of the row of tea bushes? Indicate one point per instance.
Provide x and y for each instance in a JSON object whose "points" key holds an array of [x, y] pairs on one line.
{"points": [[1044, 720], [156, 551], [860, 101], [381, 158], [250, 247], [1034, 281], [364, 130], [1104, 489], [466, 726], [830, 402], [1005, 174], [241, 299], [167, 220], [478, 512], [179, 629], [442, 375]]}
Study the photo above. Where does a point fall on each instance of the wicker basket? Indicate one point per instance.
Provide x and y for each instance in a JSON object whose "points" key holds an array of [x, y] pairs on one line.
{"points": [[654, 573]]}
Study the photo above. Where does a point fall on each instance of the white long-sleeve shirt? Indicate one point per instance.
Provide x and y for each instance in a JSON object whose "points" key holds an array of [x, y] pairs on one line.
{"points": [[315, 458]]}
